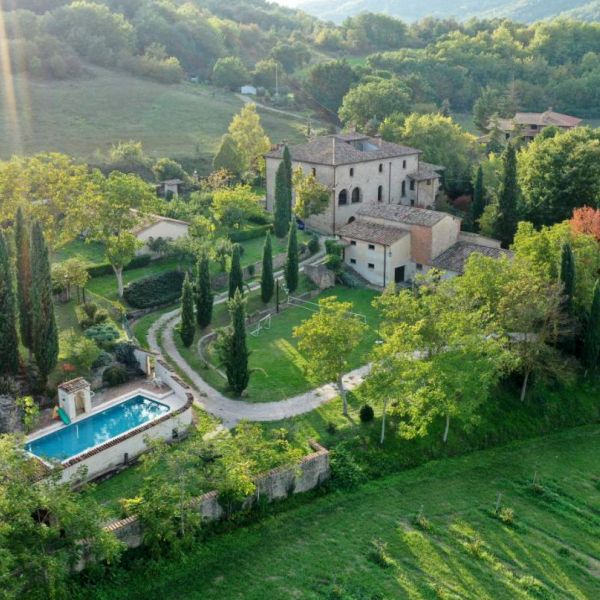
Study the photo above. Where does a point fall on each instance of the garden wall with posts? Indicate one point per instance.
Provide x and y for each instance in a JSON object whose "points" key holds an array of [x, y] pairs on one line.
{"points": [[311, 472]]}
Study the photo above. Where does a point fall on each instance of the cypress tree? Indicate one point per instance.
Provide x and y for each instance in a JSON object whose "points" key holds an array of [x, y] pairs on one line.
{"points": [[236, 275], [9, 341], [267, 281], [232, 347], [478, 203], [204, 294], [287, 161], [188, 323], [23, 263], [45, 333], [567, 276], [282, 212], [291, 264], [591, 346], [505, 226]]}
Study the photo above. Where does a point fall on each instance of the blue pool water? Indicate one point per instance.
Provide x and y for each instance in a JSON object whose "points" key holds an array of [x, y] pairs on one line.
{"points": [[97, 429]]}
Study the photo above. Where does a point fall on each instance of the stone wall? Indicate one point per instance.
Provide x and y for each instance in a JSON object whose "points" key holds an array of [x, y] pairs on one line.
{"points": [[312, 471]]}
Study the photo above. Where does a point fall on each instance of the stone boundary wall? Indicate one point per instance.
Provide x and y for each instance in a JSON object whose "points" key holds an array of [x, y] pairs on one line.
{"points": [[312, 471]]}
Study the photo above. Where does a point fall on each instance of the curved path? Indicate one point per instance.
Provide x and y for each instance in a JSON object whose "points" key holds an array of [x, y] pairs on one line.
{"points": [[232, 411]]}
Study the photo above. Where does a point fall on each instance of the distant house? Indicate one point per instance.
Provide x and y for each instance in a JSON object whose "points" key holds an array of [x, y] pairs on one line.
{"points": [[392, 243], [359, 171], [529, 125], [248, 90], [157, 226], [170, 188]]}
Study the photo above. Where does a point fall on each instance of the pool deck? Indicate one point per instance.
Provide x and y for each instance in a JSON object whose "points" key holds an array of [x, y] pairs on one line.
{"points": [[107, 397]]}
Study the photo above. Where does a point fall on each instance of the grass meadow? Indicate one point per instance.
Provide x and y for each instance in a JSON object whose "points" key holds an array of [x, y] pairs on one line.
{"points": [[368, 543]]}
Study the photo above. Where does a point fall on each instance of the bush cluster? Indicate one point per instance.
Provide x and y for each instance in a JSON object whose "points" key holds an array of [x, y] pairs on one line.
{"points": [[153, 290], [250, 233], [104, 335], [366, 413], [142, 260], [89, 315], [115, 375]]}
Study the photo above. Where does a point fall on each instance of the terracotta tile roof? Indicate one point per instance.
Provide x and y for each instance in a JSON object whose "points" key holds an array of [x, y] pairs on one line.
{"points": [[343, 149], [74, 385], [456, 256], [408, 215], [372, 232], [147, 221], [544, 119]]}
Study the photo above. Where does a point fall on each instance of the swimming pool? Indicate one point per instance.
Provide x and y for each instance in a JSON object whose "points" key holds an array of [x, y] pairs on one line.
{"points": [[97, 428]]}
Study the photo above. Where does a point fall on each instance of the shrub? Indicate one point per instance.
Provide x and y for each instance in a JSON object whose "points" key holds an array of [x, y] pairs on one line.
{"points": [[251, 270], [162, 288], [422, 522], [313, 244], [331, 428], [249, 233], [115, 375], [379, 554], [92, 315], [346, 472], [142, 260], [124, 353], [506, 515], [103, 360], [104, 335], [333, 262], [349, 280], [332, 247], [366, 414]]}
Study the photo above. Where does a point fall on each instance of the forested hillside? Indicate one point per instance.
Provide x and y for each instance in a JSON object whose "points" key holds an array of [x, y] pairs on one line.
{"points": [[526, 11]]}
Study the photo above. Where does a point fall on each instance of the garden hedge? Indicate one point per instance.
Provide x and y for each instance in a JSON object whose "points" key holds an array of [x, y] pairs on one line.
{"points": [[153, 290], [142, 260], [250, 233]]}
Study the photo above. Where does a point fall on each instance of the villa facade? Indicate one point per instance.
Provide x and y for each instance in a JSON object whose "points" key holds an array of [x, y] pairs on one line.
{"points": [[359, 171], [527, 126], [393, 243]]}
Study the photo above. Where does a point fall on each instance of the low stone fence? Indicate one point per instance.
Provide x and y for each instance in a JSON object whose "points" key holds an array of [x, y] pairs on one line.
{"points": [[312, 471]]}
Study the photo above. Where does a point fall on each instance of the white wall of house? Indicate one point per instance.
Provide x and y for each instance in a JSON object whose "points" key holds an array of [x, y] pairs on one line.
{"points": [[384, 259], [444, 234], [165, 229], [369, 176]]}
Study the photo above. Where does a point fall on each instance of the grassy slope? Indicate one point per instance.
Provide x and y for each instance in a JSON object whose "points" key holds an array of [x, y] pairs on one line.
{"points": [[84, 115], [552, 550]]}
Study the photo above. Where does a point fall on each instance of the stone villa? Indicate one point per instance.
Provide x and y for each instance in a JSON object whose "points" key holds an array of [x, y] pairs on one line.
{"points": [[393, 243], [529, 125], [360, 171]]}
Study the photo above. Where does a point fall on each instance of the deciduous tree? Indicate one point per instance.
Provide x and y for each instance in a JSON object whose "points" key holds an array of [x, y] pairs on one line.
{"points": [[311, 196], [250, 139], [228, 156], [326, 340]]}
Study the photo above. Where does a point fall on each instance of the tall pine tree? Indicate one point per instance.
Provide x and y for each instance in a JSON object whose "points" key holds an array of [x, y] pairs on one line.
{"points": [[591, 346], [567, 276], [45, 333], [24, 284], [187, 329], [232, 347], [204, 294], [478, 203], [505, 225], [287, 161], [291, 264], [9, 341], [281, 217], [236, 275], [267, 281]]}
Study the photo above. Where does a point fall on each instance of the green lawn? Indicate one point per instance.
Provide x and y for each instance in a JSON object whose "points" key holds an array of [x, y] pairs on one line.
{"points": [[91, 253], [323, 548], [82, 116], [279, 367]]}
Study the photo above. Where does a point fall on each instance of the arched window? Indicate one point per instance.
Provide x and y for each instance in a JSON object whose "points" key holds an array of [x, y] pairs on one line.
{"points": [[380, 193], [356, 195], [343, 198]]}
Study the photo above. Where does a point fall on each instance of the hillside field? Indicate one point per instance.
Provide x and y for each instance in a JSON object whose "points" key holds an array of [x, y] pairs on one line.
{"points": [[81, 117], [366, 545]]}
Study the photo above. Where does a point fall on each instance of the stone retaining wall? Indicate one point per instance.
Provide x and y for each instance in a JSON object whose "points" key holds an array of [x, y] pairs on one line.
{"points": [[312, 471]]}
